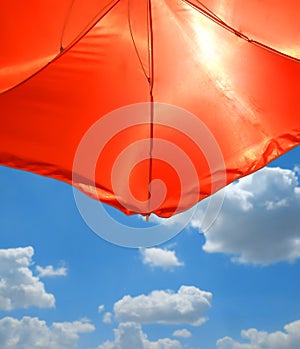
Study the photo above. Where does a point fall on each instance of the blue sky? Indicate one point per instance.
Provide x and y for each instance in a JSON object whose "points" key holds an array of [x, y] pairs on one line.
{"points": [[235, 286]]}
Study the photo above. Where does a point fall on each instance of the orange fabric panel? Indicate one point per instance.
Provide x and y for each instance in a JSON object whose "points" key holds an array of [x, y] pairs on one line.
{"points": [[34, 32], [118, 53]]}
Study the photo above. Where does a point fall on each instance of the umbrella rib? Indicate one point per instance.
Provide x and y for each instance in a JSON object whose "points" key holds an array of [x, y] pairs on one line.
{"points": [[65, 24], [150, 46], [149, 77], [134, 42], [95, 20], [212, 16], [150, 80]]}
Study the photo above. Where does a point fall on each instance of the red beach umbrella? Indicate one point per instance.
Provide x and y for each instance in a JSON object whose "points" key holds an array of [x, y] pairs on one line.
{"points": [[117, 97]]}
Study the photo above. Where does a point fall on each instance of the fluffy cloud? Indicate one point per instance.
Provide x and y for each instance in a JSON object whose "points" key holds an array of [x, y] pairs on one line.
{"points": [[50, 271], [184, 333], [188, 305], [101, 308], [130, 335], [107, 318], [158, 257], [18, 287], [259, 220], [32, 333], [289, 339]]}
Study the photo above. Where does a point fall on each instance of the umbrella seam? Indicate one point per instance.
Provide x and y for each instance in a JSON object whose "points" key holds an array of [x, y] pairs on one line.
{"points": [[212, 16], [151, 70], [134, 43], [65, 24]]}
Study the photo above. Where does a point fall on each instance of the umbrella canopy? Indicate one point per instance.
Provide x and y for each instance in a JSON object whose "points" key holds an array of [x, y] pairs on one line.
{"points": [[113, 95]]}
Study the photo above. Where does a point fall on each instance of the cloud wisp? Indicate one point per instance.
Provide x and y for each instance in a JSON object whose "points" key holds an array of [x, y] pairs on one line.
{"points": [[107, 318], [184, 333], [49, 271]]}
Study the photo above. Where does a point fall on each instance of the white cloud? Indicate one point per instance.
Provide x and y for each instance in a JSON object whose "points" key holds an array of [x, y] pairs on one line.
{"points": [[188, 305], [287, 339], [107, 318], [33, 333], [50, 271], [158, 257], [259, 221], [101, 308], [130, 335], [184, 333], [18, 287]]}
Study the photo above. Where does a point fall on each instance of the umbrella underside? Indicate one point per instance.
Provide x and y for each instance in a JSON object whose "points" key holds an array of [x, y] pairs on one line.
{"points": [[149, 106]]}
